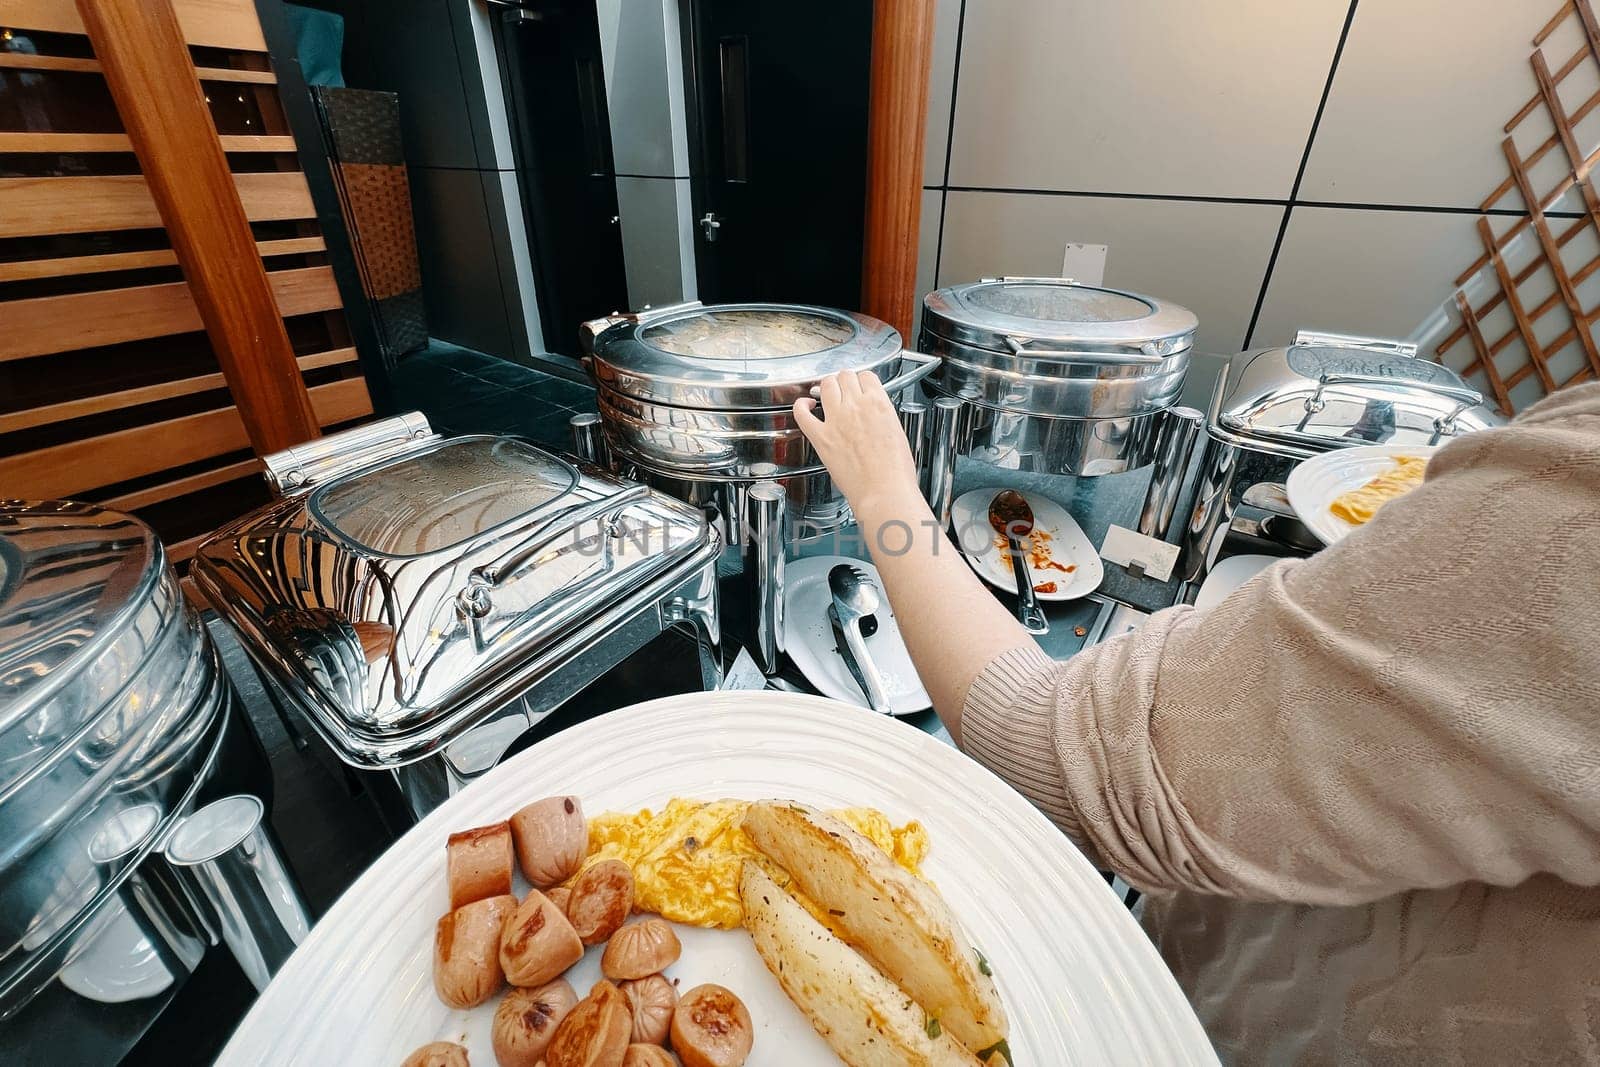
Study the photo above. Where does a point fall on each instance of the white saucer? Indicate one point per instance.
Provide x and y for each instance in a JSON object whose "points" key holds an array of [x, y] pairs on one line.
{"points": [[1068, 546], [118, 962], [808, 638]]}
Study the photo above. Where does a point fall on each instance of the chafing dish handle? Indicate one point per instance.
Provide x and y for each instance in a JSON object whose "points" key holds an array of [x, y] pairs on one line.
{"points": [[1314, 402], [474, 602], [1019, 347], [926, 365]]}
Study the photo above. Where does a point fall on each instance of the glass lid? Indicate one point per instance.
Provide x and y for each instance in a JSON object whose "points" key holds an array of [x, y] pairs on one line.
{"points": [[442, 497], [1037, 316], [1331, 391], [1059, 303], [749, 333], [734, 356], [73, 580]]}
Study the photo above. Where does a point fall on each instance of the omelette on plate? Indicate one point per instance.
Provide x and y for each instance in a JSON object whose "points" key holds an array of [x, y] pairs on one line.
{"points": [[686, 857], [1359, 505]]}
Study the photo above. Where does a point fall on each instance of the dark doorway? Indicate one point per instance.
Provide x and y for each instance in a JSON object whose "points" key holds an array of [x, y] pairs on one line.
{"points": [[779, 91], [561, 133]]}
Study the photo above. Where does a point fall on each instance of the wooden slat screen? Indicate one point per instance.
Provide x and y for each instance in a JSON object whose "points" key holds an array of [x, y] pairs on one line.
{"points": [[109, 388]]}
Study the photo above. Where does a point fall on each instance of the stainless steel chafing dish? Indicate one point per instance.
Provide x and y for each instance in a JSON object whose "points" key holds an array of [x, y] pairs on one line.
{"points": [[1278, 406], [696, 400], [115, 720], [1056, 377], [424, 601]]}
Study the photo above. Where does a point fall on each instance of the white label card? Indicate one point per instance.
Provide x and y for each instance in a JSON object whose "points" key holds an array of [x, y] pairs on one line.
{"points": [[1128, 547]]}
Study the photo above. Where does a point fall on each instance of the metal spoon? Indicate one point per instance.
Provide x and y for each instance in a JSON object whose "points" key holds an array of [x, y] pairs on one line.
{"points": [[854, 596], [1012, 518]]}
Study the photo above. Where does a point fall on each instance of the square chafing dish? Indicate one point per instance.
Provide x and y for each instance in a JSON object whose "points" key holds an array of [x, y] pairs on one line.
{"points": [[424, 601]]}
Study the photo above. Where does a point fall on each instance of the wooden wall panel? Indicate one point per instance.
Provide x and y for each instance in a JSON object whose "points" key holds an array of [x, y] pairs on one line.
{"points": [[33, 207], [109, 391], [49, 324], [214, 23]]}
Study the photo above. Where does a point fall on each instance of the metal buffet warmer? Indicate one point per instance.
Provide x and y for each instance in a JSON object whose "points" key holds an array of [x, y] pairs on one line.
{"points": [[425, 601], [1275, 407], [118, 729], [697, 401], [1046, 376]]}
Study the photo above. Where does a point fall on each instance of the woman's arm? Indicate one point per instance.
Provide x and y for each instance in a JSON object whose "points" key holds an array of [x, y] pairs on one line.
{"points": [[1412, 707], [952, 626]]}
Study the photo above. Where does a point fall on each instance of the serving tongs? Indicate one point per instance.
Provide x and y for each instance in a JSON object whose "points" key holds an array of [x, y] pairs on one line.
{"points": [[855, 598]]}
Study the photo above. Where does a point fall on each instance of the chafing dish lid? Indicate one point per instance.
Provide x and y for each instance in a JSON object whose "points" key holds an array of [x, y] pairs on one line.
{"points": [[396, 598], [1032, 316], [78, 608], [733, 356], [1330, 391]]}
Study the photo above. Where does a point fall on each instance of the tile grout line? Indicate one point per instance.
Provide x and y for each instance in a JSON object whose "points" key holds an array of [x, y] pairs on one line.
{"points": [[1305, 161], [949, 143]]}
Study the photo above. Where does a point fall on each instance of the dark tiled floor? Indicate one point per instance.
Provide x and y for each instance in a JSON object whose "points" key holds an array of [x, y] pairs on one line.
{"points": [[462, 391]]}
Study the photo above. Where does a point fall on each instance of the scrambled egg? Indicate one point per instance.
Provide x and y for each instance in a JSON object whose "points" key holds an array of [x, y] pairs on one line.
{"points": [[1359, 505], [686, 857]]}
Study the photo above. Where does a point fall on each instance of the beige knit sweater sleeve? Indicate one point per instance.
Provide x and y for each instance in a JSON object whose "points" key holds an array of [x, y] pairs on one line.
{"points": [[1416, 706]]}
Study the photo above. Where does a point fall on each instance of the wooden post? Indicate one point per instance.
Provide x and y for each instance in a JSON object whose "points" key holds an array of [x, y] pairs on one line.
{"points": [[902, 56], [151, 76]]}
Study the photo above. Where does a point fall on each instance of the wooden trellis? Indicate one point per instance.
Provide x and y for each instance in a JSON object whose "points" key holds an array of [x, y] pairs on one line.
{"points": [[1551, 242]]}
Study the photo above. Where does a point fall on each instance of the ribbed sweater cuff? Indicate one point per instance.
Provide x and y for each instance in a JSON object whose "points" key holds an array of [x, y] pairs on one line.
{"points": [[1006, 725]]}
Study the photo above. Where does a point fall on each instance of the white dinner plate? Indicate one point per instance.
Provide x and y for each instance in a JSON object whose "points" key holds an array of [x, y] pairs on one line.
{"points": [[118, 962], [808, 639], [1228, 575], [1080, 981], [1068, 545], [1320, 480]]}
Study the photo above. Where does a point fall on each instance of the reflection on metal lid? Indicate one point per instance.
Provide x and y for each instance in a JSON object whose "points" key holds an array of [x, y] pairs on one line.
{"points": [[1058, 303], [214, 829], [749, 333], [443, 497]]}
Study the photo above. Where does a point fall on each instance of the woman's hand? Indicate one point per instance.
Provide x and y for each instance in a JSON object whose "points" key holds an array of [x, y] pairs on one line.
{"points": [[859, 438]]}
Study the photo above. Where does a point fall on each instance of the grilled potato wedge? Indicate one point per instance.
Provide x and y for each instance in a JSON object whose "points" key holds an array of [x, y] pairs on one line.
{"points": [[862, 1015], [899, 923]]}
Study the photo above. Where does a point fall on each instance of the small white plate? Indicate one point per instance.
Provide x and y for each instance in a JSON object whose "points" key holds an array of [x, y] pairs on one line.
{"points": [[1320, 480], [118, 962], [1228, 575], [808, 638], [1068, 545]]}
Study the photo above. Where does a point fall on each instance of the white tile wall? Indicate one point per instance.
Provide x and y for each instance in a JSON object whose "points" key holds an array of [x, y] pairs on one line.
{"points": [[1424, 89], [1202, 97], [1187, 112], [927, 252], [1378, 273], [1209, 257], [940, 79]]}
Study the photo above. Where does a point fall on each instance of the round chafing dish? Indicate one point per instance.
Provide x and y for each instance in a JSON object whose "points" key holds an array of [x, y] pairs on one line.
{"points": [[1275, 407], [113, 710], [1056, 377], [697, 400]]}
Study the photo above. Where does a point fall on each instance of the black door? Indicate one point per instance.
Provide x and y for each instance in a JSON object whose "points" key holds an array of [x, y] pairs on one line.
{"points": [[556, 93], [780, 90]]}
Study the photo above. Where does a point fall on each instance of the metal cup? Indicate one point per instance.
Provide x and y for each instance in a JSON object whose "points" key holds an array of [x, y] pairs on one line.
{"points": [[227, 851]]}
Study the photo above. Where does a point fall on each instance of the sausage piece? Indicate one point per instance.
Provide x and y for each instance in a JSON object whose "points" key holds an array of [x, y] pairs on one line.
{"points": [[479, 862], [526, 1020], [602, 898], [437, 1054], [653, 1000], [552, 839], [712, 1028], [640, 949], [466, 952], [539, 943], [595, 1033]]}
